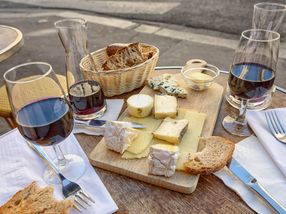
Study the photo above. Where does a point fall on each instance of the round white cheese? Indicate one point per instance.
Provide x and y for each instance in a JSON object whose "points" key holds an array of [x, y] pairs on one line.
{"points": [[139, 105]]}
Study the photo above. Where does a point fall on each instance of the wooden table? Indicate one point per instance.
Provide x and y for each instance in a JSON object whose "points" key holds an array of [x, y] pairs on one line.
{"points": [[11, 40], [211, 195]]}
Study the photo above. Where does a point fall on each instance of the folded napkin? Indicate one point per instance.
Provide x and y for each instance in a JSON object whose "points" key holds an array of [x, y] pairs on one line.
{"points": [[20, 165], [253, 157], [113, 109], [276, 149]]}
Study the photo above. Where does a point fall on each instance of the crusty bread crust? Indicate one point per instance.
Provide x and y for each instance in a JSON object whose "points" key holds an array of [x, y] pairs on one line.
{"points": [[215, 152], [121, 56], [33, 199]]}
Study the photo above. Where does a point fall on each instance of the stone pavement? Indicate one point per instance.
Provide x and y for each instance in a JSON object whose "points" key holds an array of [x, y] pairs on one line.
{"points": [[177, 44]]}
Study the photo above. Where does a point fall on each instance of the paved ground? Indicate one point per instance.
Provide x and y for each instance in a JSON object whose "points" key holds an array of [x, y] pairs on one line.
{"points": [[177, 44]]}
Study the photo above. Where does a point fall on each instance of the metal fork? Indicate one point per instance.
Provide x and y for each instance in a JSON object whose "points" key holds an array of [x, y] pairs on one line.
{"points": [[69, 188], [275, 126]]}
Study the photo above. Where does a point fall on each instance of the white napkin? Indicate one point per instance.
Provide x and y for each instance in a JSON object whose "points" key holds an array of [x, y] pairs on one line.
{"points": [[20, 165], [113, 109], [276, 150], [252, 156]]}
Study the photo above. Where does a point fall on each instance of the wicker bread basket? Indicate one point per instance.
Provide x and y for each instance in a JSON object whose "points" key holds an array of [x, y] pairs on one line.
{"points": [[115, 82]]}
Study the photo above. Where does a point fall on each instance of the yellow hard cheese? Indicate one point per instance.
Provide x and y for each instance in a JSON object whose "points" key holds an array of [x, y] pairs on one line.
{"points": [[189, 143], [140, 146]]}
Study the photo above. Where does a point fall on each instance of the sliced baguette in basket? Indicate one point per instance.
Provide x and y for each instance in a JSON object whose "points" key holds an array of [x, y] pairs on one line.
{"points": [[33, 199], [215, 152]]}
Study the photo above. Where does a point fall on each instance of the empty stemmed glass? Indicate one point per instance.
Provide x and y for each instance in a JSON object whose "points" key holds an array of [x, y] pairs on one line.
{"points": [[42, 113], [252, 73], [268, 16]]}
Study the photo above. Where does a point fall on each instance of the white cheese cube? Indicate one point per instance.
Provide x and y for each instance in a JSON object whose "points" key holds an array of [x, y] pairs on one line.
{"points": [[139, 105], [165, 106], [171, 130], [118, 137], [162, 159]]}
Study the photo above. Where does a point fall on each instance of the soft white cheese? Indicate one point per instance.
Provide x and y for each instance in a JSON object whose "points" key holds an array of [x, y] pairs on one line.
{"points": [[162, 159], [139, 105], [118, 137]]}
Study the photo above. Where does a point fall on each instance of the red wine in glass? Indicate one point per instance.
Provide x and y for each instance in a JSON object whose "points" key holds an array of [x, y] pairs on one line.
{"points": [[86, 97], [45, 122], [250, 80]]}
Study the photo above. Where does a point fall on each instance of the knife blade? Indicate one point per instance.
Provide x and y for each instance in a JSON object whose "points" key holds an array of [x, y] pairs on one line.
{"points": [[240, 172], [98, 123]]}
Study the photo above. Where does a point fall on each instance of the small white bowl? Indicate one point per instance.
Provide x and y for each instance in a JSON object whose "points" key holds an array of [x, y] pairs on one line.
{"points": [[200, 79]]}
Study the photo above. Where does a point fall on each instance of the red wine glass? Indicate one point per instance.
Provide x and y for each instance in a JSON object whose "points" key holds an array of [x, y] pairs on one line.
{"points": [[252, 74], [42, 113]]}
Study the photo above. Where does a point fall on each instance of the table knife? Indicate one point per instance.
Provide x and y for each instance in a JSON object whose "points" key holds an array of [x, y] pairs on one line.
{"points": [[240, 172], [98, 123]]}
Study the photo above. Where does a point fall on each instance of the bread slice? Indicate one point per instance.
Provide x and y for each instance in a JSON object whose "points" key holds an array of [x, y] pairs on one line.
{"points": [[125, 57], [215, 153], [33, 199]]}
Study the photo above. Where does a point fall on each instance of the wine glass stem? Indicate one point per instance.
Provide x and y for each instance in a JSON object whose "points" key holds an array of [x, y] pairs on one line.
{"points": [[60, 156], [242, 111]]}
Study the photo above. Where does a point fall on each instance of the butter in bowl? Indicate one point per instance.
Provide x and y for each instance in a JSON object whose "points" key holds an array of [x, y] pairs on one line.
{"points": [[200, 78]]}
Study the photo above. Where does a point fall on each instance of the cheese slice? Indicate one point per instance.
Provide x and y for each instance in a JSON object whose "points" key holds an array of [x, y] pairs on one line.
{"points": [[139, 148], [140, 143], [190, 140], [172, 130], [129, 155], [139, 105], [165, 106]]}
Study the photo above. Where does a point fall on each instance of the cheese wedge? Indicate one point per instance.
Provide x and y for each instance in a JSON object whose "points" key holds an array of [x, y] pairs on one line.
{"points": [[118, 137], [139, 105], [140, 143], [129, 155], [165, 106], [172, 130], [162, 159]]}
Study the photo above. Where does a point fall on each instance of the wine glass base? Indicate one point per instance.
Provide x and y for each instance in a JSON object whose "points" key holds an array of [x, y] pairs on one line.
{"points": [[235, 128], [74, 168], [95, 115]]}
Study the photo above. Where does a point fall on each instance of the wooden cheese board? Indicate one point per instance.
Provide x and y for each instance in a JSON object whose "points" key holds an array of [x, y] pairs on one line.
{"points": [[207, 102]]}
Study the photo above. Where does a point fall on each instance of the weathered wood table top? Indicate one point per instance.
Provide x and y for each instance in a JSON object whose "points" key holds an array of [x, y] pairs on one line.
{"points": [[211, 195], [11, 39]]}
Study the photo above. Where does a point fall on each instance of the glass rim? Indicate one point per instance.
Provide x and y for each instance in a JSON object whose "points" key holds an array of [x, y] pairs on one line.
{"points": [[260, 30], [77, 20], [270, 3], [50, 69], [209, 67]]}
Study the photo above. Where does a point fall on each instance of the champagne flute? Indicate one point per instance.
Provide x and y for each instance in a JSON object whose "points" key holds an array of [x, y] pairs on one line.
{"points": [[252, 73], [42, 113]]}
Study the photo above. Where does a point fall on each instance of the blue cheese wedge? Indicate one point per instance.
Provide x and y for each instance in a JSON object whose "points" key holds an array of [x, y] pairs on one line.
{"points": [[162, 159], [167, 84], [165, 106], [118, 137], [171, 130]]}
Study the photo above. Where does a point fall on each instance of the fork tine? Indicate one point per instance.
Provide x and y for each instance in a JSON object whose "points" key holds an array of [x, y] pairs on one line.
{"points": [[274, 118], [77, 208], [279, 122], [79, 203], [87, 196], [82, 199], [269, 122]]}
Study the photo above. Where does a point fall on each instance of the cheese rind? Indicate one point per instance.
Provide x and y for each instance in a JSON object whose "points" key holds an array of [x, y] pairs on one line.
{"points": [[172, 130], [162, 159], [165, 106], [118, 137], [140, 105]]}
